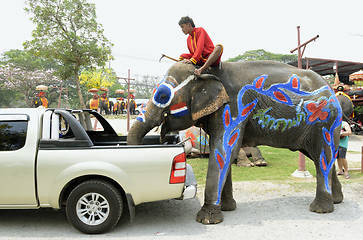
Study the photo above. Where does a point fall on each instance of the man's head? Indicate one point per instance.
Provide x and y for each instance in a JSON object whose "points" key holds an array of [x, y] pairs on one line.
{"points": [[187, 25]]}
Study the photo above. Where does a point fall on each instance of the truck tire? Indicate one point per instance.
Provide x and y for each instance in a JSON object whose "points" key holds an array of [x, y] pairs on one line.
{"points": [[94, 206]]}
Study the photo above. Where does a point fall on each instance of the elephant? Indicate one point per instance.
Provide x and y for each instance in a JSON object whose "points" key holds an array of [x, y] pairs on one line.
{"points": [[93, 103], [254, 152], [104, 105], [243, 104], [132, 106], [111, 107]]}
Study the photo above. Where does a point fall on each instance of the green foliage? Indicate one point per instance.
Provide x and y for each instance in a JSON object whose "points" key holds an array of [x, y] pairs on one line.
{"points": [[24, 72], [115, 87], [358, 109], [27, 60], [67, 31], [260, 54]]}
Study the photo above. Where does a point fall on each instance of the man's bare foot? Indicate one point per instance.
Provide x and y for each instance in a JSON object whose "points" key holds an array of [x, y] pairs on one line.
{"points": [[198, 72]]}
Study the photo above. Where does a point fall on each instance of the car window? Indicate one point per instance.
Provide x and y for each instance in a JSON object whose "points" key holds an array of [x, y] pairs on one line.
{"points": [[12, 135]]}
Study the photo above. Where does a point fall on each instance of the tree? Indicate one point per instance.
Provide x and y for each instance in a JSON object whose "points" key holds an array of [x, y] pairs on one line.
{"points": [[97, 78], [24, 81], [260, 54], [27, 60], [67, 31]]}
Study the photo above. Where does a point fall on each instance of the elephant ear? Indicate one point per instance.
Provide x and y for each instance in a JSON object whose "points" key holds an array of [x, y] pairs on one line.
{"points": [[207, 96]]}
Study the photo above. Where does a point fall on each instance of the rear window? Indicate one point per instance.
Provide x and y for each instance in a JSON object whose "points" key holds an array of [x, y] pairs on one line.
{"points": [[12, 134]]}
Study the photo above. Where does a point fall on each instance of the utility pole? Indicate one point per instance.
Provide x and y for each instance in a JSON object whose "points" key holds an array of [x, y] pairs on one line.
{"points": [[301, 171], [127, 80]]}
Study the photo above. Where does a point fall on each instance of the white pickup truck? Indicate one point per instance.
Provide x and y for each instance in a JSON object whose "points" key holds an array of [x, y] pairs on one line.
{"points": [[52, 158]]}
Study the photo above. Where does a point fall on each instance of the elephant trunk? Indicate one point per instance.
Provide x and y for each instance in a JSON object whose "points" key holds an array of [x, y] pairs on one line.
{"points": [[137, 132]]}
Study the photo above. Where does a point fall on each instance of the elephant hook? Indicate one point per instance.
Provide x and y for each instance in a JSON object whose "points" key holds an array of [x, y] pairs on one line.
{"points": [[163, 55]]}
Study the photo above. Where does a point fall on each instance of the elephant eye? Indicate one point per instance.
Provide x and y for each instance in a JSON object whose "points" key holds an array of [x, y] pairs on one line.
{"points": [[163, 95]]}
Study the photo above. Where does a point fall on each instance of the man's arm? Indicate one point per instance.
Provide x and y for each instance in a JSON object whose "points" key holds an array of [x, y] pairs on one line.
{"points": [[200, 41], [346, 131]]}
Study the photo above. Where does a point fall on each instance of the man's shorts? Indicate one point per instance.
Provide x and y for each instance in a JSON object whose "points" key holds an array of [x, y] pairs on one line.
{"points": [[342, 152]]}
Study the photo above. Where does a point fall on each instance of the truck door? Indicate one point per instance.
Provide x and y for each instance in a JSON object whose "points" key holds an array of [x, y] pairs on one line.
{"points": [[18, 145]]}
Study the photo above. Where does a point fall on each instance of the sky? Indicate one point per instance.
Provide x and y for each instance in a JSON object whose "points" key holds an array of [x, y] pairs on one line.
{"points": [[142, 30]]}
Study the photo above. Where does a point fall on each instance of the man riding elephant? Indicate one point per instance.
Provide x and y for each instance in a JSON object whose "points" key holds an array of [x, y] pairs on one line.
{"points": [[132, 105], [104, 104], [93, 103], [41, 100], [202, 51]]}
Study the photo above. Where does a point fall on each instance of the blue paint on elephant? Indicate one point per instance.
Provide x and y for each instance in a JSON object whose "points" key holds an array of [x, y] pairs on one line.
{"points": [[318, 111]]}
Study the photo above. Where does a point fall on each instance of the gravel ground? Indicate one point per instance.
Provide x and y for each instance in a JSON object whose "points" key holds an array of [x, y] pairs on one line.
{"points": [[265, 210]]}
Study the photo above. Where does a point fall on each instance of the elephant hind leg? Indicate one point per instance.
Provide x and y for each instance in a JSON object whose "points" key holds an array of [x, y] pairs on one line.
{"points": [[336, 188], [323, 202]]}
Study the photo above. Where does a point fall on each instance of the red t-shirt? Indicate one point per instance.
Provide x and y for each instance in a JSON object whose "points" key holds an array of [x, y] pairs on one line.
{"points": [[200, 47]]}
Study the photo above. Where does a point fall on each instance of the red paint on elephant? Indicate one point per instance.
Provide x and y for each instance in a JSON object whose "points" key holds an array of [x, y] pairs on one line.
{"points": [[227, 118], [295, 82], [233, 139], [220, 161], [280, 96], [316, 110], [192, 137], [259, 82], [327, 136], [323, 163], [247, 109]]}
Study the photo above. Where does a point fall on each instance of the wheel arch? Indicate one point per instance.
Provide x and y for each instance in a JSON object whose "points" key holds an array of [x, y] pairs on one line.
{"points": [[126, 198]]}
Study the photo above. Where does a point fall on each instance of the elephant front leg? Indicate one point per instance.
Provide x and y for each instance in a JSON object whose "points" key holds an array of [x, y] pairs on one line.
{"points": [[227, 201], [218, 193], [211, 212]]}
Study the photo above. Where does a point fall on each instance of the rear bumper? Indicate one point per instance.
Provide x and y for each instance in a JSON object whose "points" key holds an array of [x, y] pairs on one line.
{"points": [[190, 188]]}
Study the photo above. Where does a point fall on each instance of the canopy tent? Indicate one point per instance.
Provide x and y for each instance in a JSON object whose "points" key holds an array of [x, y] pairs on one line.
{"points": [[330, 66]]}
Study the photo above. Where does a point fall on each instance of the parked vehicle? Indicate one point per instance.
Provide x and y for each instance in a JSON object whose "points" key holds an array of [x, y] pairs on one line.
{"points": [[53, 158]]}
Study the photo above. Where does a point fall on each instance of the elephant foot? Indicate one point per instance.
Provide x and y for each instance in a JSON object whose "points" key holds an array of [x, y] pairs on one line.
{"points": [[244, 163], [210, 214], [260, 163], [338, 198], [320, 206], [228, 204]]}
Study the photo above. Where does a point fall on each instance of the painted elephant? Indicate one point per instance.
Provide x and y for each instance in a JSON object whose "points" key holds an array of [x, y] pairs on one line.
{"points": [[254, 152], [249, 104]]}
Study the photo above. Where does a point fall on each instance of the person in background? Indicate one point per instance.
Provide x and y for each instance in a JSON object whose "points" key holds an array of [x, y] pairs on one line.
{"points": [[343, 146]]}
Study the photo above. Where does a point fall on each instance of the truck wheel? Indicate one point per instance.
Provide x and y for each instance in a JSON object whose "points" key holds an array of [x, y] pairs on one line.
{"points": [[94, 206]]}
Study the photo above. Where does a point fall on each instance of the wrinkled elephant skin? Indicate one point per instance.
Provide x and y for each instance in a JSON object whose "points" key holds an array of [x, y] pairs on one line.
{"points": [[249, 104]]}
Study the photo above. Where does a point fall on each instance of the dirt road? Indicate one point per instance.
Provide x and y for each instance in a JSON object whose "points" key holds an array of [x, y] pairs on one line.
{"points": [[264, 211]]}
